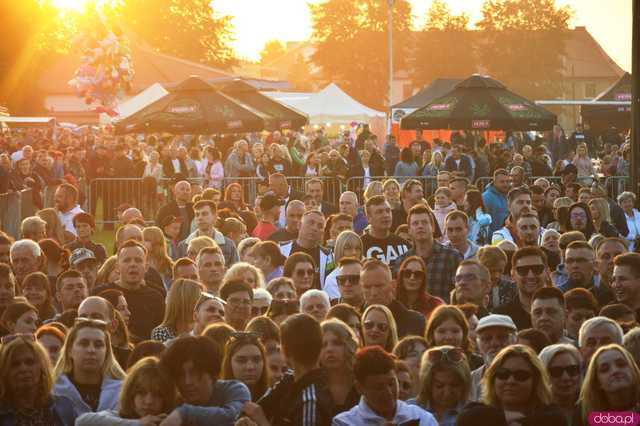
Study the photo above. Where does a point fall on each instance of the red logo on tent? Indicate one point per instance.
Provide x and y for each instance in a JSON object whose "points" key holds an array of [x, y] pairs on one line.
{"points": [[623, 96], [234, 124], [480, 124], [440, 107], [517, 107], [285, 124]]}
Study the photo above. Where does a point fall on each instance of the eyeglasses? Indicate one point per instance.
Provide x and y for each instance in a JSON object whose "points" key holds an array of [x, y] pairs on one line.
{"points": [[520, 375], [523, 271], [465, 277], [557, 372], [343, 280], [370, 325], [409, 274], [88, 322], [304, 272], [11, 337], [454, 355], [239, 302]]}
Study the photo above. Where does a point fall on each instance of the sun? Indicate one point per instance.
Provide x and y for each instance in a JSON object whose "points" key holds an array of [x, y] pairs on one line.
{"points": [[69, 5]]}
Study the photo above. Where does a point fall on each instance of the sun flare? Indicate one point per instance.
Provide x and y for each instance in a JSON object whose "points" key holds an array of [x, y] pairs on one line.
{"points": [[69, 5]]}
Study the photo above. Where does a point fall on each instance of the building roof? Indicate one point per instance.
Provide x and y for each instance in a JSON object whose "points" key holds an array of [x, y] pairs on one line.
{"points": [[585, 58], [150, 67]]}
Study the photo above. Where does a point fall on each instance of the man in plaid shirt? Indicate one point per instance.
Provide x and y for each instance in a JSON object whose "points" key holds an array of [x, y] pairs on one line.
{"points": [[441, 261]]}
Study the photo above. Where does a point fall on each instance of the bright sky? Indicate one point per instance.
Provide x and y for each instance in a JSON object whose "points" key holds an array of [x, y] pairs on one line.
{"points": [[257, 21]]}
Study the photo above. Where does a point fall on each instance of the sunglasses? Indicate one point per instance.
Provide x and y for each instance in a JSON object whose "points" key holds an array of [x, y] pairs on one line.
{"points": [[370, 325], [557, 372], [305, 272], [259, 310], [520, 375], [342, 280], [523, 271], [454, 355], [408, 274], [23, 336], [88, 322]]}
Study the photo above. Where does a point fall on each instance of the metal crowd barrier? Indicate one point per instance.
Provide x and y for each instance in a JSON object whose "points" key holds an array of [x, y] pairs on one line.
{"points": [[14, 207], [616, 185]]}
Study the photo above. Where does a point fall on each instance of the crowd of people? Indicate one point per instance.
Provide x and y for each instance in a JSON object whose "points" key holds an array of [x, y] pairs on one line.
{"points": [[412, 298]]}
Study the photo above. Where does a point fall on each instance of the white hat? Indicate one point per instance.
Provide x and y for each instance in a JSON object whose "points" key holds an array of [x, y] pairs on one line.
{"points": [[496, 320]]}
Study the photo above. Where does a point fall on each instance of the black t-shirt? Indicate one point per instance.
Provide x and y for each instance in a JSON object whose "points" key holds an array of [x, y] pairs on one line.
{"points": [[90, 393], [514, 309], [385, 249], [282, 235]]}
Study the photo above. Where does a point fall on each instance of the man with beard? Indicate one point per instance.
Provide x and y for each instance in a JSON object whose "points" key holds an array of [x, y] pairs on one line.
{"points": [[530, 272], [66, 200], [548, 316], [626, 281], [378, 242], [493, 333], [292, 221], [582, 268], [308, 241], [519, 200], [211, 268], [606, 251]]}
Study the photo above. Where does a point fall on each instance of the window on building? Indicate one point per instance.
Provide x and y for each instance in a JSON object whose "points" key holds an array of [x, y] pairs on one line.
{"points": [[590, 90]]}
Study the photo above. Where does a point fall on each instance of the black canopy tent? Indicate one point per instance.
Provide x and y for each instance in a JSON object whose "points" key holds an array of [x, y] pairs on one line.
{"points": [[480, 103], [194, 107], [281, 116], [602, 117]]}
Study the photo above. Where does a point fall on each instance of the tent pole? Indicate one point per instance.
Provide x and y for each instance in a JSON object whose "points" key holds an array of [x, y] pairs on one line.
{"points": [[635, 98]]}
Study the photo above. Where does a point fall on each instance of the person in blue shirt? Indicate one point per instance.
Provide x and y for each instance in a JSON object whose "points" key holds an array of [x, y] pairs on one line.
{"points": [[495, 199]]}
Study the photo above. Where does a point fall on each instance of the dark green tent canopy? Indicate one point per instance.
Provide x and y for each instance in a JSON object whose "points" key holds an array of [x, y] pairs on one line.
{"points": [[480, 103], [601, 117]]}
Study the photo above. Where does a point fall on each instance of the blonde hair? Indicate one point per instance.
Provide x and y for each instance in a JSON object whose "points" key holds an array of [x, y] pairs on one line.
{"points": [[602, 206], [373, 188], [562, 202], [592, 396], [392, 337], [237, 270], [181, 301], [110, 367], [344, 238], [542, 387], [427, 369], [106, 269], [158, 253], [55, 229], [198, 243], [347, 338], [7, 352], [388, 182]]}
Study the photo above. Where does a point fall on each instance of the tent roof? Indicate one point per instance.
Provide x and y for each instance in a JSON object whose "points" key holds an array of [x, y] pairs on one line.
{"points": [[330, 105], [618, 91], [141, 100], [437, 88]]}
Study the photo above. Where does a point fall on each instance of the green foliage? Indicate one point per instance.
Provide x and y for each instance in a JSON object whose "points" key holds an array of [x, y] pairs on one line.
{"points": [[273, 49], [189, 29], [352, 45], [444, 46], [523, 44]]}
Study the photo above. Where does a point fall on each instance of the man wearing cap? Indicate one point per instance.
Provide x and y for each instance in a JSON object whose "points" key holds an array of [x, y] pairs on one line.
{"points": [[270, 208], [84, 261], [85, 225], [493, 333]]}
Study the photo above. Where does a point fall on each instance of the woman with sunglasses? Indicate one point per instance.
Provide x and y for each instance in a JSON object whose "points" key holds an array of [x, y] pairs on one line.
{"points": [[612, 383], [20, 318], [412, 287], [148, 395], [348, 244], [178, 314], [87, 372], [245, 360], [445, 383], [448, 326], [379, 327], [409, 350], [339, 346], [26, 385], [563, 362], [37, 289], [301, 268], [517, 382]]}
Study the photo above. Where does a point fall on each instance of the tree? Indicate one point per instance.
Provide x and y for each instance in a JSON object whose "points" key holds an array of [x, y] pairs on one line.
{"points": [[273, 49], [300, 75], [523, 44], [188, 29], [352, 45], [444, 47]]}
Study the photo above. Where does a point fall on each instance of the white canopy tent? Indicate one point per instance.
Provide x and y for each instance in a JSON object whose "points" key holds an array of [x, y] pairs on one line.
{"points": [[330, 105], [136, 103]]}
